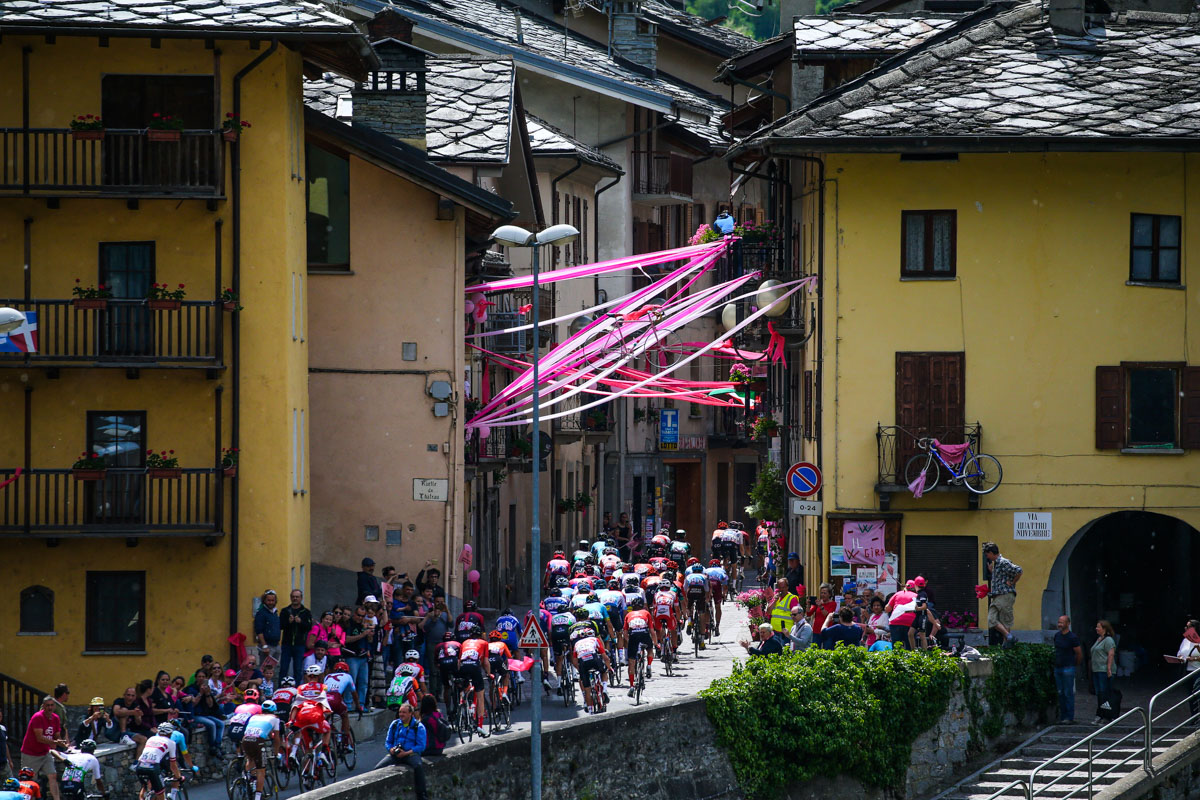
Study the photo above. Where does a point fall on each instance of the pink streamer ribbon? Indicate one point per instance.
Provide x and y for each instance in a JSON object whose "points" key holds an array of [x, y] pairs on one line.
{"points": [[775, 345]]}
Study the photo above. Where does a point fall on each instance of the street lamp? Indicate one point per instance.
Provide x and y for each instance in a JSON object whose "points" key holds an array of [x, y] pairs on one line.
{"points": [[515, 236], [10, 320]]}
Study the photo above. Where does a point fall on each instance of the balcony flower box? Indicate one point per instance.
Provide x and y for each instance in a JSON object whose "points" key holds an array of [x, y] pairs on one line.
{"points": [[162, 465], [89, 467], [163, 299], [160, 135], [89, 474], [88, 136], [232, 127], [230, 472], [90, 302], [87, 127], [164, 305], [165, 473], [229, 300]]}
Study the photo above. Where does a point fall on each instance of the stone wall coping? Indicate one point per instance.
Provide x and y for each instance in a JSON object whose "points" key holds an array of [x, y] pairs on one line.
{"points": [[1138, 783], [981, 668], [112, 749]]}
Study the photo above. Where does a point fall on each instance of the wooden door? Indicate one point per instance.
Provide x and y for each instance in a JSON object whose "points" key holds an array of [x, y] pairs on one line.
{"points": [[930, 401]]}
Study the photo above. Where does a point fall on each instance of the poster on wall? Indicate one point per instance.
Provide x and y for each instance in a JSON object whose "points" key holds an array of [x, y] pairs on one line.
{"points": [[867, 577], [887, 581], [863, 541], [838, 566]]}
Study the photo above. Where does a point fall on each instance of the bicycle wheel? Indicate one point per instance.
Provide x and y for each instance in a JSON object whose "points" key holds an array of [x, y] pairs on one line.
{"points": [[515, 690], [982, 474], [665, 351], [241, 791], [466, 725], [926, 463], [330, 764], [283, 776], [347, 751], [639, 683], [307, 768], [233, 771]]}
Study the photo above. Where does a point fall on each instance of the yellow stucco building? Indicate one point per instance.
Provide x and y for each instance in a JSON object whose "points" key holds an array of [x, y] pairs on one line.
{"points": [[1001, 226], [120, 575]]}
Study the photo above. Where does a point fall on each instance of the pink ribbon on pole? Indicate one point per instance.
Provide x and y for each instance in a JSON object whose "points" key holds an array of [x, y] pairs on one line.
{"points": [[775, 345]]}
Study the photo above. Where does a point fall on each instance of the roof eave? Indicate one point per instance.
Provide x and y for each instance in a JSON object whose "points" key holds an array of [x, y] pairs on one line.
{"points": [[802, 145]]}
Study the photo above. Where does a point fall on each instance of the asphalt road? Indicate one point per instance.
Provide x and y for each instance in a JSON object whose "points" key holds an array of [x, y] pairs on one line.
{"points": [[691, 674]]}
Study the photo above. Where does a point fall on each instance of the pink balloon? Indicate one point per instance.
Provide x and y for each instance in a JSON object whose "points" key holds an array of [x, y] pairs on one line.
{"points": [[484, 431], [473, 576], [469, 306]]}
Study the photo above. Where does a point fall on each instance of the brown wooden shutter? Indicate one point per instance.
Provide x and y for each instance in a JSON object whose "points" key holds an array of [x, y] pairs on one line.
{"points": [[946, 397], [1110, 408], [910, 407], [1189, 408]]}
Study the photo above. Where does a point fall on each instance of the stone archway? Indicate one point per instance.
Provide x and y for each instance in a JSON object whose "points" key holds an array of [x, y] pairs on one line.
{"points": [[1136, 566]]}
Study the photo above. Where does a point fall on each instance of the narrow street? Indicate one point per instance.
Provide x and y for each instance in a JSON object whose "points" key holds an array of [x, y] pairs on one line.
{"points": [[690, 676]]}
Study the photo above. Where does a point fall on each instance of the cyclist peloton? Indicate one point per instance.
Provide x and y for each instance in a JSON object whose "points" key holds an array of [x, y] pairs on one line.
{"points": [[639, 633], [411, 666], [556, 567], [588, 656], [614, 600], [664, 605], [581, 553], [235, 729], [469, 617], [731, 548], [699, 595], [446, 655], [679, 549], [473, 666]]}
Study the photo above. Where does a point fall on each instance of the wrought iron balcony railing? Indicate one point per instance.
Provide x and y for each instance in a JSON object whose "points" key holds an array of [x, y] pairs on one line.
{"points": [[493, 448], [897, 445], [125, 502], [124, 163], [124, 333]]}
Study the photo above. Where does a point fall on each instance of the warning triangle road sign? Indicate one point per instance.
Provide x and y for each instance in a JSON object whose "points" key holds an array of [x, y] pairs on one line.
{"points": [[532, 637]]}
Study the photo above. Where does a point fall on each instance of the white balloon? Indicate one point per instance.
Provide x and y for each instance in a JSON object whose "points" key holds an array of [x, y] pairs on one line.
{"points": [[768, 297]]}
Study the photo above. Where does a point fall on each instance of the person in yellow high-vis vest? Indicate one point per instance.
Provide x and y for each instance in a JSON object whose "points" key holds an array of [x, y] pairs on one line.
{"points": [[780, 611]]}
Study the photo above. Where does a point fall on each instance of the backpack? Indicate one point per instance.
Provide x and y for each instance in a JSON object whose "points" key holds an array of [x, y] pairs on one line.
{"points": [[438, 733]]}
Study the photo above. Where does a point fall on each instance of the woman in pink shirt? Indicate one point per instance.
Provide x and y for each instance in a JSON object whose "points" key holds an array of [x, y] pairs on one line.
{"points": [[903, 601], [327, 631]]}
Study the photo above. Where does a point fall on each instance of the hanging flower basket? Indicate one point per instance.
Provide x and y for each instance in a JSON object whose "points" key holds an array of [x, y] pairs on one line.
{"points": [[166, 473], [229, 300], [229, 136], [230, 471], [229, 460]]}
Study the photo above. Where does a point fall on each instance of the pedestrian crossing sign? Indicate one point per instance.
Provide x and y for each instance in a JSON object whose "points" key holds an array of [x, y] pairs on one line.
{"points": [[532, 637]]}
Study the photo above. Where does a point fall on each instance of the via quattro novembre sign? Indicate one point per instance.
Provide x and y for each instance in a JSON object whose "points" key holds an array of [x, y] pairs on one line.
{"points": [[1032, 525]]}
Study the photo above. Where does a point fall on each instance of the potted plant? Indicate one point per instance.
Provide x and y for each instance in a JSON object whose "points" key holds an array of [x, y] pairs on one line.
{"points": [[583, 501], [765, 427], [87, 127], [90, 296], [595, 419], [89, 467], [472, 407], [232, 126], [639, 414], [739, 374], [162, 465], [164, 128], [161, 297], [229, 300], [520, 447], [566, 505], [500, 476], [229, 459], [766, 495], [956, 620], [704, 234]]}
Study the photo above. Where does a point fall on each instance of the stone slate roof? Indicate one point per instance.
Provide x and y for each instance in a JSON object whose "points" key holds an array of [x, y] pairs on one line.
{"points": [[468, 113], [722, 40], [540, 37], [865, 34], [1009, 76], [267, 16], [547, 140]]}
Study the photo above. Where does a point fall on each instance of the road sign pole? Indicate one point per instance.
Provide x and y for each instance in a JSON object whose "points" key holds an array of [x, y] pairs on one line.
{"points": [[535, 533]]}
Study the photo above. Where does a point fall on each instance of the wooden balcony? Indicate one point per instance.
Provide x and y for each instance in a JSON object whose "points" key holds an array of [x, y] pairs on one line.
{"points": [[50, 162], [123, 334], [51, 503], [661, 178]]}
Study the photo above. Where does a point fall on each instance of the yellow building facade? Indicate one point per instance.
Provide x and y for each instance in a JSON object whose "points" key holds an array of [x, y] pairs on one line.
{"points": [[1040, 299], [121, 576]]}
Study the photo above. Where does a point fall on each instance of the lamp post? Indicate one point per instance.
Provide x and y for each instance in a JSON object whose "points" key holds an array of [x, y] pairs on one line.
{"points": [[515, 236], [10, 319]]}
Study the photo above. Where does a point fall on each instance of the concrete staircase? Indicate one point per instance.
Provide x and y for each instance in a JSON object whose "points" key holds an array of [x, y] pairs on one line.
{"points": [[1020, 762]]}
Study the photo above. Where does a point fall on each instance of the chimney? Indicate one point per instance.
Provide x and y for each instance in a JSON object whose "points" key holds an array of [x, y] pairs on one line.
{"points": [[1066, 16], [392, 100], [632, 37]]}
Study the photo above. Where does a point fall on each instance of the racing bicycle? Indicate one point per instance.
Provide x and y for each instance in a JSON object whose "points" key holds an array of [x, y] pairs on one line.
{"points": [[639, 677], [979, 472], [663, 349]]}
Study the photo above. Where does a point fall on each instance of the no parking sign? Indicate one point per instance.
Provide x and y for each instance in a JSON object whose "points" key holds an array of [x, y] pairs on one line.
{"points": [[803, 479]]}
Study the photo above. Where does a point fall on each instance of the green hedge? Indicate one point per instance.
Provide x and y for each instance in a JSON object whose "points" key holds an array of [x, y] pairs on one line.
{"points": [[1022, 680], [791, 717]]}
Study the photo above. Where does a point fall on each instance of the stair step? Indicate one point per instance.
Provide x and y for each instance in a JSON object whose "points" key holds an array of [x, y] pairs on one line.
{"points": [[1003, 776], [1029, 764]]}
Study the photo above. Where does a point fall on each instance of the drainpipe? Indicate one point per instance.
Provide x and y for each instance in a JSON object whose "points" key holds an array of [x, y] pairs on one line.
{"points": [[235, 326]]}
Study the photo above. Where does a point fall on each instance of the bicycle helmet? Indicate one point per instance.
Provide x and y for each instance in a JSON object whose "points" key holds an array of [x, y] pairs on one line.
{"points": [[341, 666], [613, 583], [269, 706], [589, 570], [583, 544], [693, 560], [559, 554], [610, 551], [496, 636], [251, 694], [716, 562], [88, 745], [672, 565], [680, 534], [412, 655], [313, 670], [475, 631], [611, 543], [637, 603], [722, 525], [632, 581], [697, 569], [448, 636], [287, 683], [580, 614], [27, 774], [165, 729], [470, 605], [589, 560], [12, 785], [592, 598]]}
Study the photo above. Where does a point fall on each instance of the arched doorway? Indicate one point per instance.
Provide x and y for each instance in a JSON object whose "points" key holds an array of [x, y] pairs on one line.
{"points": [[1134, 568]]}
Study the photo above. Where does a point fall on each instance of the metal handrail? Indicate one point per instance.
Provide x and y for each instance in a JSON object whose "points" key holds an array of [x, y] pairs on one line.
{"points": [[1187, 678], [1143, 750], [1018, 782]]}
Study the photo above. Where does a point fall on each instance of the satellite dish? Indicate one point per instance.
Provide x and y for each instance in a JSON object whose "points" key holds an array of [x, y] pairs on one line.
{"points": [[771, 298]]}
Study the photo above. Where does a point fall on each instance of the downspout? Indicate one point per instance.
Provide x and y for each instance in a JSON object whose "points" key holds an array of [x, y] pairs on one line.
{"points": [[620, 406], [235, 328]]}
